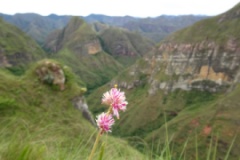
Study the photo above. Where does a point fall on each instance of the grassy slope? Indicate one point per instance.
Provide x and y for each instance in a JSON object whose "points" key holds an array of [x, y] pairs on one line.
{"points": [[220, 112], [218, 29], [36, 26], [188, 113], [19, 49], [121, 43], [39, 122], [13, 40], [93, 69]]}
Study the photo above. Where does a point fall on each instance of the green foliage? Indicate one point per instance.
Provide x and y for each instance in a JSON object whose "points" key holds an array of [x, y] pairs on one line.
{"points": [[38, 122], [36, 26], [7, 106], [17, 49], [218, 29], [94, 70], [125, 46], [195, 97], [17, 70], [72, 43], [188, 113], [18, 151]]}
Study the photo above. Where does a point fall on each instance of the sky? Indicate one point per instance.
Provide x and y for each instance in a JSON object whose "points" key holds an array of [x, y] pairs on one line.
{"points": [[135, 8]]}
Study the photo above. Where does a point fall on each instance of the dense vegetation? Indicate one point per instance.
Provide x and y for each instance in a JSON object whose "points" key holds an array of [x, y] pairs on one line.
{"points": [[17, 49], [200, 117], [218, 29], [189, 115], [38, 121]]}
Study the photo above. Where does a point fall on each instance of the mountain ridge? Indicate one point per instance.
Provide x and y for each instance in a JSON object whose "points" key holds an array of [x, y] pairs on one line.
{"points": [[39, 121], [17, 50], [153, 28], [78, 46], [182, 83]]}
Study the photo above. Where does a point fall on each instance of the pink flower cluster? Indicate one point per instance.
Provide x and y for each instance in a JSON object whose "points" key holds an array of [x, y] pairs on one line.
{"points": [[116, 100], [105, 121]]}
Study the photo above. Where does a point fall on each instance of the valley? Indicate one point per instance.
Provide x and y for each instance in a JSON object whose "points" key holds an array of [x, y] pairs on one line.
{"points": [[180, 75]]}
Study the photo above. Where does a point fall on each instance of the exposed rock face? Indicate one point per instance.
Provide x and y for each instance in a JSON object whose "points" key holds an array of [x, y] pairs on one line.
{"points": [[204, 60], [81, 104], [197, 62], [77, 36], [93, 47], [204, 65], [51, 73]]}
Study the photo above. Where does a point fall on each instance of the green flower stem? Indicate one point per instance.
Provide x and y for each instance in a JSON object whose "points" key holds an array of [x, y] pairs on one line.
{"points": [[95, 145], [109, 110], [98, 137]]}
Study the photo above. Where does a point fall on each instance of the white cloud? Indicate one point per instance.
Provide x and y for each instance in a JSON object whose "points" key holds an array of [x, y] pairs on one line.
{"points": [[138, 8]]}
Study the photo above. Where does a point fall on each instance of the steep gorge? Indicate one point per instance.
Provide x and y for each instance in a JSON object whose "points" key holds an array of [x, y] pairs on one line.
{"points": [[191, 81]]}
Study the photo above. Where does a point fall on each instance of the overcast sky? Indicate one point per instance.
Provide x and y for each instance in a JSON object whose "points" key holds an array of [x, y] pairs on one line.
{"points": [[136, 8]]}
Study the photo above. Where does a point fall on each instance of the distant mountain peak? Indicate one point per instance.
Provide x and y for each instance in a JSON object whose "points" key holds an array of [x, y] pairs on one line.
{"points": [[77, 36]]}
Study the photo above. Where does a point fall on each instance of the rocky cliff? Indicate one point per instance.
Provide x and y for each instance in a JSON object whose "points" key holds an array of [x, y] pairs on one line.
{"points": [[78, 46], [77, 35], [190, 62], [191, 81], [202, 52]]}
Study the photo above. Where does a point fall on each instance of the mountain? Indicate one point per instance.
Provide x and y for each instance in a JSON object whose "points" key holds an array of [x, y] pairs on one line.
{"points": [[99, 27], [185, 92], [43, 111], [16, 48], [125, 46], [78, 46], [36, 26], [153, 28], [110, 20], [161, 26], [41, 121]]}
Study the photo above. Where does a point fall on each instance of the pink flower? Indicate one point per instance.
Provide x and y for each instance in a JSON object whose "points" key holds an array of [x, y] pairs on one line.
{"points": [[116, 99], [105, 122]]}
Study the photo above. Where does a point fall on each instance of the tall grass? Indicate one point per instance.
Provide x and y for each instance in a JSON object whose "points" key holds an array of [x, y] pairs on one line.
{"points": [[167, 150], [40, 123], [64, 137]]}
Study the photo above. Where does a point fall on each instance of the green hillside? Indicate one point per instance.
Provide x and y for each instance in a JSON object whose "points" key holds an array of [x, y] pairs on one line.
{"points": [[180, 87], [78, 46], [125, 46], [182, 94], [93, 70], [36, 26], [154, 28], [188, 114], [17, 49], [219, 29], [38, 121]]}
